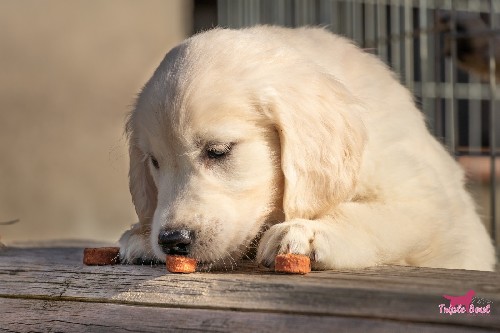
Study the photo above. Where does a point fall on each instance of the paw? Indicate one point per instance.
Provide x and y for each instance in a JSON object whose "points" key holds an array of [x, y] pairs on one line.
{"points": [[299, 237], [135, 247]]}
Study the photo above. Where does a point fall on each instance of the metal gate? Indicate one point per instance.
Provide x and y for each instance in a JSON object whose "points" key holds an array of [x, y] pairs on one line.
{"points": [[444, 51]]}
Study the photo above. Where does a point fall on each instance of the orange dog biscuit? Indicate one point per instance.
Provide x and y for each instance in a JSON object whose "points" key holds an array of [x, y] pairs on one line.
{"points": [[101, 255], [292, 263], [180, 264]]}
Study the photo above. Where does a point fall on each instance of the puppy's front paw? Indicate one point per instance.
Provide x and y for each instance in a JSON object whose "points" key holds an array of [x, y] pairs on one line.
{"points": [[135, 247], [298, 237]]}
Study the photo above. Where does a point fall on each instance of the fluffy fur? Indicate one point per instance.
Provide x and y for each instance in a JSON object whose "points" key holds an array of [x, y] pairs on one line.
{"points": [[325, 154]]}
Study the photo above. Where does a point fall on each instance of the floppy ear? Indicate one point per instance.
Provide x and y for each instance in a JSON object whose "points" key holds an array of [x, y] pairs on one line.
{"points": [[322, 140], [141, 184]]}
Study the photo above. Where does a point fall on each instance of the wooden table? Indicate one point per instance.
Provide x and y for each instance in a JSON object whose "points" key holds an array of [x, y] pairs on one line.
{"points": [[48, 289]]}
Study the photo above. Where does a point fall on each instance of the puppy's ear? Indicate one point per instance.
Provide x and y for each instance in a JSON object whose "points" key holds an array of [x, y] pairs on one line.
{"points": [[141, 184], [322, 140]]}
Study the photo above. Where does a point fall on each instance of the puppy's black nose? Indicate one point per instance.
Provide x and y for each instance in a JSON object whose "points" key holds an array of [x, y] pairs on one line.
{"points": [[175, 241]]}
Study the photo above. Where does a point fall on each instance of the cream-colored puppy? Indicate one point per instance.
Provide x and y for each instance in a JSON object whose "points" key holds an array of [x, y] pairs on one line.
{"points": [[298, 134]]}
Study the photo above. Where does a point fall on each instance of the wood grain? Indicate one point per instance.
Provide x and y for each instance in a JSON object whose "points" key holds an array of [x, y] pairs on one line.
{"points": [[389, 294], [61, 316]]}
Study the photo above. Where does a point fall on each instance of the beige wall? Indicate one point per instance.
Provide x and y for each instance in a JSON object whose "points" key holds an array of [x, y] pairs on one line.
{"points": [[69, 71]]}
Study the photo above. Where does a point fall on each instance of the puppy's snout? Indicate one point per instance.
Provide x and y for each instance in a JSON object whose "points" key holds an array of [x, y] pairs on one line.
{"points": [[175, 241]]}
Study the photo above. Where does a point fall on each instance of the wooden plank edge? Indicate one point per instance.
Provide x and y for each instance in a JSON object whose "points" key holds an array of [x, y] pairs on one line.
{"points": [[24, 315], [234, 309]]}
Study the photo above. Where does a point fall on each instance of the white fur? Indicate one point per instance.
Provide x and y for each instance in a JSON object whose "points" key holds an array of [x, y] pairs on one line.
{"points": [[329, 152]]}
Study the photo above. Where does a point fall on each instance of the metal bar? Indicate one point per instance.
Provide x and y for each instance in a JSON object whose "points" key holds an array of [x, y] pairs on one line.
{"points": [[370, 25], [381, 30], [452, 121], [335, 22], [408, 44], [348, 8], [357, 23], [325, 13], [396, 43], [474, 113], [221, 15], [290, 13], [304, 12], [438, 80], [278, 16], [254, 9], [425, 71], [492, 112], [299, 12], [477, 91]]}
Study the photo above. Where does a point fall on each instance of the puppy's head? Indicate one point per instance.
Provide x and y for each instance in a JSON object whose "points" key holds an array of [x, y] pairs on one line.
{"points": [[232, 133]]}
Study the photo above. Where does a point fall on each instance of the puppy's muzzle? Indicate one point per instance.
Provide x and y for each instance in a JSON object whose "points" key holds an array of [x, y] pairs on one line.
{"points": [[175, 241]]}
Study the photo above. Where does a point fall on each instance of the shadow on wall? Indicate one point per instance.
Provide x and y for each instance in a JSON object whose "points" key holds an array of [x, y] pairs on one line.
{"points": [[70, 72]]}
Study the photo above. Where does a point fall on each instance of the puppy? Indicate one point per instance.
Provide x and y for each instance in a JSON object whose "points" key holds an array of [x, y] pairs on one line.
{"points": [[300, 139]]}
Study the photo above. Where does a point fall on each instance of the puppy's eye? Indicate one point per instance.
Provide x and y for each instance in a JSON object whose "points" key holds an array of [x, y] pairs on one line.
{"points": [[154, 161], [218, 151]]}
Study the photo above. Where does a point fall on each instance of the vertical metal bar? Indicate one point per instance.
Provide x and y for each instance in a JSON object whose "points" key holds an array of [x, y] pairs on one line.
{"points": [[234, 17], [325, 13], [474, 113], [335, 22], [451, 123], [253, 8], [424, 60], [291, 19], [298, 12], [382, 36], [230, 14], [221, 13], [311, 12], [279, 12], [246, 12], [289, 13], [348, 19], [304, 12], [437, 61], [408, 43], [395, 37], [357, 22], [492, 112], [240, 15], [370, 25], [263, 11]]}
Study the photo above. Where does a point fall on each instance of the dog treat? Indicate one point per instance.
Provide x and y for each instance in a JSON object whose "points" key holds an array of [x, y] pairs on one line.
{"points": [[101, 255], [292, 263], [180, 264]]}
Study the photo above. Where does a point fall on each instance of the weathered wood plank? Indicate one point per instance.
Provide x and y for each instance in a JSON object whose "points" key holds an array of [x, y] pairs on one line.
{"points": [[20, 315], [393, 293]]}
